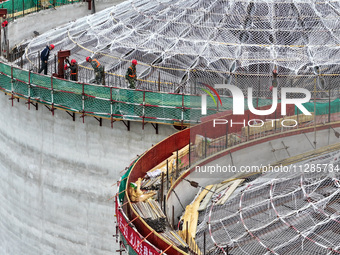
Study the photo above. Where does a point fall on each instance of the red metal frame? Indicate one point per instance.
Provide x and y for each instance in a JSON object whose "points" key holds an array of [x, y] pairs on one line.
{"points": [[89, 4], [156, 154], [62, 55], [3, 12], [133, 238]]}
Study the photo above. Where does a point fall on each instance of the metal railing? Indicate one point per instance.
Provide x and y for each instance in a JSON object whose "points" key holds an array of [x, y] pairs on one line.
{"points": [[98, 100], [325, 85]]}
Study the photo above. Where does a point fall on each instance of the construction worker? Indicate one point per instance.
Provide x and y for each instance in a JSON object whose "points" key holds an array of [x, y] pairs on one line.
{"points": [[44, 58], [74, 69], [131, 74], [4, 25], [98, 70], [274, 80]]}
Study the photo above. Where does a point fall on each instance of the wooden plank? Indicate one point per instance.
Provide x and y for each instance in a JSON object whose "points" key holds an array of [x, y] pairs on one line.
{"points": [[194, 246], [182, 152], [186, 218], [194, 211], [222, 186], [179, 239], [191, 214], [207, 198], [230, 191]]}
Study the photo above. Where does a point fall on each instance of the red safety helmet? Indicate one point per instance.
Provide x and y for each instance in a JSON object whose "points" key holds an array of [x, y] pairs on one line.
{"points": [[65, 66], [134, 62], [5, 23], [52, 46], [73, 61], [88, 59]]}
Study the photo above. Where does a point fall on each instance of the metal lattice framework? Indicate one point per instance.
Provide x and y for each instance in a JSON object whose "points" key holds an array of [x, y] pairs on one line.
{"points": [[185, 42], [279, 213]]}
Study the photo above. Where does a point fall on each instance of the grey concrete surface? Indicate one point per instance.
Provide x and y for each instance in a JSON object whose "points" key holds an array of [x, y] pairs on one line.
{"points": [[56, 177], [22, 29], [257, 155]]}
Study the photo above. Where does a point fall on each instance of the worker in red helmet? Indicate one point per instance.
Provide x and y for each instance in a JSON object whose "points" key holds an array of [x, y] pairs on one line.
{"points": [[131, 74], [44, 58], [4, 24], [98, 70], [74, 69], [5, 27]]}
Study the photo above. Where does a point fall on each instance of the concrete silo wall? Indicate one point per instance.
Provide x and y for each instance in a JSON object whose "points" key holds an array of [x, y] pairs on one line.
{"points": [[56, 177]]}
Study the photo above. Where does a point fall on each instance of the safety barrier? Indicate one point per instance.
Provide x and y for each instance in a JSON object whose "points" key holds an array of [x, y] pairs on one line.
{"points": [[131, 237], [325, 85], [326, 107], [98, 100], [156, 154], [119, 103], [107, 102]]}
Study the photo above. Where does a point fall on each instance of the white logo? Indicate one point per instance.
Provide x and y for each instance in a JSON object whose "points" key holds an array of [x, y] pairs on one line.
{"points": [[238, 100]]}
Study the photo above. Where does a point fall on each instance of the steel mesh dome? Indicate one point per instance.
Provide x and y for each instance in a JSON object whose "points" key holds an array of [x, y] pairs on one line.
{"points": [[216, 40], [295, 212]]}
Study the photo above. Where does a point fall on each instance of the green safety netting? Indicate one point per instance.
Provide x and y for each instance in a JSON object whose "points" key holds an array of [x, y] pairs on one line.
{"points": [[6, 69], [122, 185], [322, 107], [104, 101]]}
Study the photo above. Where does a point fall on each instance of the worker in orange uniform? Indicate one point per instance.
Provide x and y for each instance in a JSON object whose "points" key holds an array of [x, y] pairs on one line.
{"points": [[74, 69], [98, 70], [131, 74]]}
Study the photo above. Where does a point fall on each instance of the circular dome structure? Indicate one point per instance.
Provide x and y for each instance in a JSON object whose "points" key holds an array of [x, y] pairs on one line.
{"points": [[184, 42], [295, 213]]}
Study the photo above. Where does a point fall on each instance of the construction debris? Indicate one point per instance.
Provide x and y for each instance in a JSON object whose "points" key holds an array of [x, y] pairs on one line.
{"points": [[152, 179], [153, 215], [136, 194], [174, 238], [217, 192]]}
